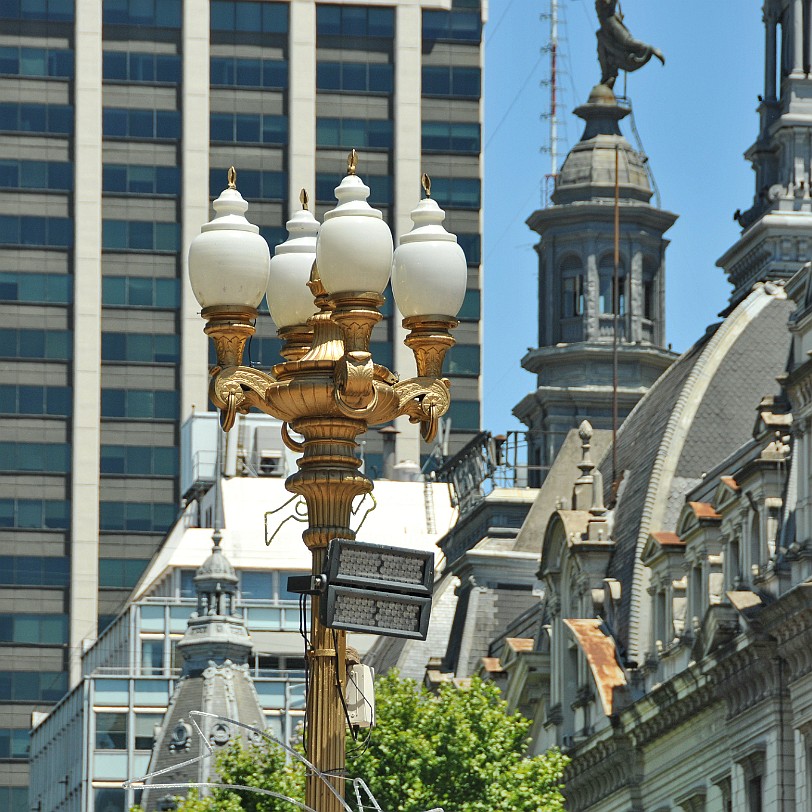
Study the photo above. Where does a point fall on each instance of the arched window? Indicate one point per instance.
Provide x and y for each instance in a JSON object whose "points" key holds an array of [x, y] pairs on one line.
{"points": [[572, 287], [650, 266], [606, 293]]}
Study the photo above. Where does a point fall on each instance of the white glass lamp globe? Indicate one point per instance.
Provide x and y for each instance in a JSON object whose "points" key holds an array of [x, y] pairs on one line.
{"points": [[289, 298], [354, 249], [429, 271], [229, 261]]}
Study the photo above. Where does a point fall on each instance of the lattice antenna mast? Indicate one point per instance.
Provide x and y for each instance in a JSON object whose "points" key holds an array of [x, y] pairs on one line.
{"points": [[553, 115]]}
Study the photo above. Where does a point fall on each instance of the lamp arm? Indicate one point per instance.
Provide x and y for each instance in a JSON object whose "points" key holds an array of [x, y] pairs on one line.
{"points": [[238, 389], [424, 400]]}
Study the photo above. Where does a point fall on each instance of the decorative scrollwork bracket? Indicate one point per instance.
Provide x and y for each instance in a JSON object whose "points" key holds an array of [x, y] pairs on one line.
{"points": [[236, 390], [425, 400]]}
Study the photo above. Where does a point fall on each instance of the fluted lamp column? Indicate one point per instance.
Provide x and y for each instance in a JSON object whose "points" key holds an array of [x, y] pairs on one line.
{"points": [[324, 288]]}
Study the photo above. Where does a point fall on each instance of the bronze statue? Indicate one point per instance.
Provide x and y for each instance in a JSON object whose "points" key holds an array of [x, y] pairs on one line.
{"points": [[617, 48]]}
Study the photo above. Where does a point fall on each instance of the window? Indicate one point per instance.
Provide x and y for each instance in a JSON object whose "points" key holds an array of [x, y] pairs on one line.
{"points": [[463, 360], [152, 657], [464, 415], [262, 352], [456, 26], [140, 291], [111, 731], [606, 273], [13, 743], [39, 232], [140, 347], [354, 132], [125, 66], [139, 460], [39, 400], [50, 458], [380, 189], [442, 136], [145, 724], [15, 799], [355, 21], [464, 83], [242, 16], [249, 128], [471, 245], [40, 288], [51, 175], [29, 570], [52, 10], [35, 514], [254, 184], [141, 180], [139, 404], [121, 573], [755, 794], [51, 344], [150, 13], [649, 300], [471, 308], [26, 628], [51, 62], [137, 517], [256, 585], [140, 235], [56, 119], [457, 193], [33, 686], [355, 77], [228, 71], [120, 122], [572, 296]]}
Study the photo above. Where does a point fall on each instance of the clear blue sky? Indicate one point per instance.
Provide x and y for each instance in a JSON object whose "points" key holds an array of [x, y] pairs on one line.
{"points": [[695, 116]]}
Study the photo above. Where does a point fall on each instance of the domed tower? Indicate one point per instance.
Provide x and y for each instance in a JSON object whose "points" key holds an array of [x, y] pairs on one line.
{"points": [[585, 325], [215, 679]]}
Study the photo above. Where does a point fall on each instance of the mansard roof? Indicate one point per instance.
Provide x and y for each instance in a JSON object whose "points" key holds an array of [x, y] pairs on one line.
{"points": [[698, 412]]}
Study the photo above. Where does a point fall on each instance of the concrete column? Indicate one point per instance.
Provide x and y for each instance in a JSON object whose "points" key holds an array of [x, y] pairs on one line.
{"points": [[84, 552], [769, 57], [407, 171], [797, 37], [302, 102], [195, 199]]}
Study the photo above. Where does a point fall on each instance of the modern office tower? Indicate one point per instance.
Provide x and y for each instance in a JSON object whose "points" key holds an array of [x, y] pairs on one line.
{"points": [[118, 121]]}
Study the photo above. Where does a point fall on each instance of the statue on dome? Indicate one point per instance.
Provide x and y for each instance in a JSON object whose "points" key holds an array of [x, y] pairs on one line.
{"points": [[617, 48]]}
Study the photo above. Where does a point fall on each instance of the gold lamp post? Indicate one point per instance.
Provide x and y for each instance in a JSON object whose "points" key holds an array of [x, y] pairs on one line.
{"points": [[329, 389]]}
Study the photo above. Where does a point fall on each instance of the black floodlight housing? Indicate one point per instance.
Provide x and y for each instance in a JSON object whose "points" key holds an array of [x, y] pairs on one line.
{"points": [[377, 589]]}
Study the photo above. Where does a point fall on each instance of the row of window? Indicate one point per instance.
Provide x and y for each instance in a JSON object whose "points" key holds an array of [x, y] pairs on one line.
{"points": [[119, 122], [27, 628], [573, 301], [29, 570], [33, 686], [136, 460], [13, 743], [51, 458], [56, 119], [54, 345], [127, 66], [464, 415], [34, 514], [140, 235], [346, 133], [355, 21], [47, 232], [52, 62], [150, 13], [471, 308], [380, 189], [356, 77], [140, 348], [457, 193], [463, 360], [52, 175], [244, 16], [140, 291], [139, 404], [255, 585], [463, 83], [248, 127], [443, 136], [111, 730], [47, 288], [15, 799], [259, 351], [121, 573], [140, 179], [55, 401], [456, 26], [228, 71], [52, 10], [254, 183], [136, 517]]}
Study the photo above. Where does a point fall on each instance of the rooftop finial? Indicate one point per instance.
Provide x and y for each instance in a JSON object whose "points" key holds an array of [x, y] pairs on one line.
{"points": [[304, 199], [232, 178], [352, 162], [585, 433], [426, 181]]}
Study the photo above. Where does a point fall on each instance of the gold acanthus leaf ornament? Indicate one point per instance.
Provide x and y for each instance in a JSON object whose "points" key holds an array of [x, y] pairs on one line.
{"points": [[424, 401]]}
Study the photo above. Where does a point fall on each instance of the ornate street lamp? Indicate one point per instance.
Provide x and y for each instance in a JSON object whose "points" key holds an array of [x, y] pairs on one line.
{"points": [[329, 389]]}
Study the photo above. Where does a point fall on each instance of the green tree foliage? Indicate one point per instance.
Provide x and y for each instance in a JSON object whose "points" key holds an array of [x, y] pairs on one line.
{"points": [[458, 749]]}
